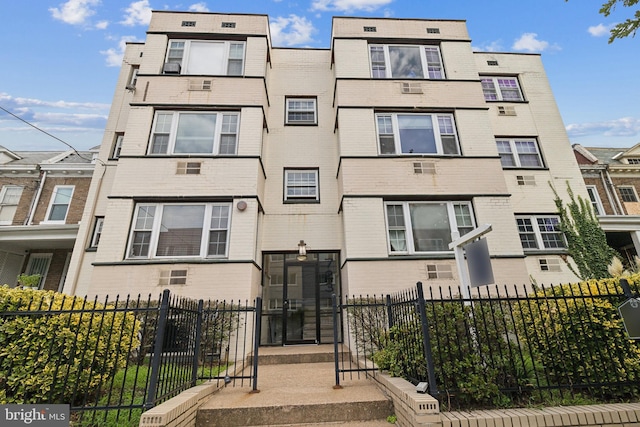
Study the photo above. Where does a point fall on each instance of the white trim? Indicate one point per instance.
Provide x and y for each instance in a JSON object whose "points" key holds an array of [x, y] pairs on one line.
{"points": [[54, 194], [592, 190]]}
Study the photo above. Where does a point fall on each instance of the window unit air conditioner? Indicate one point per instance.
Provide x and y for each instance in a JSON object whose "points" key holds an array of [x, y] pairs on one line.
{"points": [[171, 68]]}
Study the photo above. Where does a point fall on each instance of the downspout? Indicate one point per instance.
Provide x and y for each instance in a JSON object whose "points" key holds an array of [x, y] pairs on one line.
{"points": [[36, 200], [88, 235], [620, 206], [610, 198]]}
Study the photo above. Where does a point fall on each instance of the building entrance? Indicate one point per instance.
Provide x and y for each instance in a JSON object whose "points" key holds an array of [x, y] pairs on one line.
{"points": [[297, 298]]}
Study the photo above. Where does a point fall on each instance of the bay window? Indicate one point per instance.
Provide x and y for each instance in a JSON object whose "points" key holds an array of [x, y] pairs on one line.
{"points": [[540, 232], [197, 230], [416, 227], [406, 62], [207, 57], [417, 134], [194, 133]]}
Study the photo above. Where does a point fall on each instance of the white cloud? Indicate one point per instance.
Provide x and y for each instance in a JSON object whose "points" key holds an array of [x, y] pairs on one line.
{"points": [[199, 7], [22, 104], [138, 13], [600, 30], [348, 5], [529, 42], [625, 127], [291, 31], [494, 46], [52, 116], [74, 12], [102, 25], [113, 56]]}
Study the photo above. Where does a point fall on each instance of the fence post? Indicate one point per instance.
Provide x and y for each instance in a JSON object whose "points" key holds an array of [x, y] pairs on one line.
{"points": [[196, 350], [389, 311], [334, 313], [256, 343], [426, 342], [157, 351]]}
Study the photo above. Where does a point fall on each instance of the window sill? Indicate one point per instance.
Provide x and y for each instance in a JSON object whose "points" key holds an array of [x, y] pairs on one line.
{"points": [[300, 201], [555, 251], [301, 124]]}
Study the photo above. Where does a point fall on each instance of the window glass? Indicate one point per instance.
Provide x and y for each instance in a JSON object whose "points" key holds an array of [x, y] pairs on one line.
{"points": [[10, 197], [416, 134], [519, 153], [301, 111], [501, 89], [200, 57], [430, 227], [181, 230], [206, 58], [405, 62], [195, 133], [60, 203], [540, 232], [415, 227], [301, 184]]}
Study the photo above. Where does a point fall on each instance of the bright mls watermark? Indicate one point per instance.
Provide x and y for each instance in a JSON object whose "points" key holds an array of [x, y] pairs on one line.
{"points": [[34, 415]]}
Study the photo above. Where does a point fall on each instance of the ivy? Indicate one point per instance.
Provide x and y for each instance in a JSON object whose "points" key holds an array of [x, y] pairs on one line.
{"points": [[586, 241]]}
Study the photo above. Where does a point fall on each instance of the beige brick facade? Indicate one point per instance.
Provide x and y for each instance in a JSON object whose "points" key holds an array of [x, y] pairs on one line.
{"points": [[340, 148]]}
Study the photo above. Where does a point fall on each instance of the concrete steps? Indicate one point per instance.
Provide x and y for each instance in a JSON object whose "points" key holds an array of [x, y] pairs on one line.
{"points": [[296, 387]]}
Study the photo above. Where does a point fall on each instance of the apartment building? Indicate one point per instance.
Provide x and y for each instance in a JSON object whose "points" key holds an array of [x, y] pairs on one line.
{"points": [[42, 199], [612, 176], [233, 169]]}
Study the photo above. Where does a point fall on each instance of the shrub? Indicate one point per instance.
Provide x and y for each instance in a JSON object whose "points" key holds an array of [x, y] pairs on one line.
{"points": [[58, 356], [584, 338]]}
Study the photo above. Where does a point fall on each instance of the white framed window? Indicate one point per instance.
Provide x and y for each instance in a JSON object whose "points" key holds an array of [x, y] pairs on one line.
{"points": [[59, 204], [594, 197], [416, 134], [417, 227], [207, 57], [628, 193], [97, 232], [501, 89], [177, 132], [9, 199], [301, 185], [117, 146], [633, 160], [540, 232], [405, 62], [519, 153], [301, 111], [39, 264], [133, 77], [169, 230]]}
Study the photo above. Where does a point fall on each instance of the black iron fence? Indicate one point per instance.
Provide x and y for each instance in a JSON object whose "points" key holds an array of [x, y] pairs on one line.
{"points": [[504, 346], [111, 361]]}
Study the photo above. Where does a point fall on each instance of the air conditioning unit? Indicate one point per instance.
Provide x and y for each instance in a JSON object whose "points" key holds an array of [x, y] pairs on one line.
{"points": [[171, 68]]}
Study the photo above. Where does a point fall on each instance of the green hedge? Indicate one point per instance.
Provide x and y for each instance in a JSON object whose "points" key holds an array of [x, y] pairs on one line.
{"points": [[59, 358]]}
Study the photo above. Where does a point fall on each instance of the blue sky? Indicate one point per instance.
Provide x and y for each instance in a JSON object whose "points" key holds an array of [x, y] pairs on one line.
{"points": [[60, 59]]}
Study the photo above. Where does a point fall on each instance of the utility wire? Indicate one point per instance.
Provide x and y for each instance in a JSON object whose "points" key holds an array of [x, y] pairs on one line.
{"points": [[48, 134]]}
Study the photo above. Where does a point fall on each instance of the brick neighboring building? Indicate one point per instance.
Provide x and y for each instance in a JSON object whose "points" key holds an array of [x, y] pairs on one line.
{"points": [[612, 177], [42, 199]]}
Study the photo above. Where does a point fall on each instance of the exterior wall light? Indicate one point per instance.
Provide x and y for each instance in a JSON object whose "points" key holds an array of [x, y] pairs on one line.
{"points": [[302, 251]]}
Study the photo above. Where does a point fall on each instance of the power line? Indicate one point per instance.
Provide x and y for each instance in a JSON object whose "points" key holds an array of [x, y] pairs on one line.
{"points": [[46, 133]]}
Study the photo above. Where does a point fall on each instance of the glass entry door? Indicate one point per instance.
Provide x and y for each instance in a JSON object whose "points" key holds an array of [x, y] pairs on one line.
{"points": [[300, 303]]}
